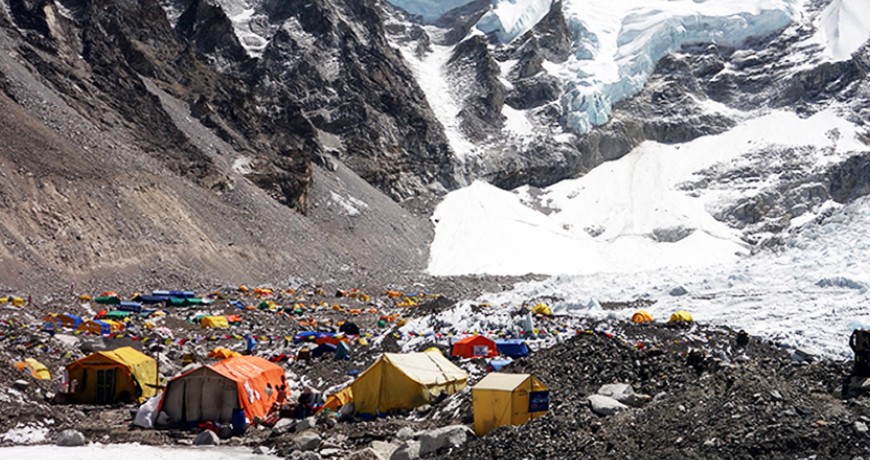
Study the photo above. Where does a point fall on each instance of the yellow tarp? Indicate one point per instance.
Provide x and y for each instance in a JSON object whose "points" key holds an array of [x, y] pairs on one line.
{"points": [[223, 353], [36, 368], [641, 316], [503, 399], [542, 309], [217, 322], [405, 381], [681, 316]]}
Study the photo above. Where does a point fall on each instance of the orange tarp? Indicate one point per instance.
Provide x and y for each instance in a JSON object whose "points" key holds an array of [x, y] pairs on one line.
{"points": [[252, 372]]}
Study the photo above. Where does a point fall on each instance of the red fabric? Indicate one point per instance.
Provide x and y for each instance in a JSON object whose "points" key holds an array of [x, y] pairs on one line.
{"points": [[466, 347]]}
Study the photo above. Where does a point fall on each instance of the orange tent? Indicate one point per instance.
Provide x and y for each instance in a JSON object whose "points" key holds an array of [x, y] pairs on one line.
{"points": [[210, 393], [641, 316], [475, 346]]}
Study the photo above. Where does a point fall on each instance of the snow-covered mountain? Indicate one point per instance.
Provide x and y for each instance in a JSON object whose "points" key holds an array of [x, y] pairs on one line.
{"points": [[748, 214]]}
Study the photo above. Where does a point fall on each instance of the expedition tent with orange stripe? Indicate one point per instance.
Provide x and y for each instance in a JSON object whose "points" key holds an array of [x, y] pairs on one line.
{"points": [[211, 393]]}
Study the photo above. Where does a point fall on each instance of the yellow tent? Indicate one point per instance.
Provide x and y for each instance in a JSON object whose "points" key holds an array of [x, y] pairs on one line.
{"points": [[405, 381], [543, 309], [681, 316], [217, 322], [507, 399], [36, 368], [223, 353], [641, 316], [106, 377], [336, 400]]}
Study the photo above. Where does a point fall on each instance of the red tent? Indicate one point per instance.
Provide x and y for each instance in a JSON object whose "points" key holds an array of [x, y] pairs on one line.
{"points": [[476, 346]]}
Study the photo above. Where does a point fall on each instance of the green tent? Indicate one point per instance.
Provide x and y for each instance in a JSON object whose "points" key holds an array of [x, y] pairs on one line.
{"points": [[118, 314], [108, 300]]}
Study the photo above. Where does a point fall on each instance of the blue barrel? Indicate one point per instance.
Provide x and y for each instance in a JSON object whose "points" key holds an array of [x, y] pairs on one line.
{"points": [[239, 422]]}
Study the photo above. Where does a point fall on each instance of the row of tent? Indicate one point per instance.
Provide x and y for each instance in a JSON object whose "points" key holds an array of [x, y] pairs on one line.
{"points": [[643, 316], [250, 384], [96, 326]]}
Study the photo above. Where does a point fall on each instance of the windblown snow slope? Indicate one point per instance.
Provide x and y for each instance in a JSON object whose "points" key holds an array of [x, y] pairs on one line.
{"points": [[843, 27], [628, 215]]}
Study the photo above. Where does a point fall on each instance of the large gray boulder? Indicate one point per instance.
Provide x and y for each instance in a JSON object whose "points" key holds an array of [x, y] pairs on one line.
{"points": [[308, 441], [70, 438], [442, 438], [207, 438], [605, 405], [409, 450]]}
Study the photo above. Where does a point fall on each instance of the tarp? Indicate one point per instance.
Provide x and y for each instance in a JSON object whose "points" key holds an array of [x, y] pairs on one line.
{"points": [[641, 316], [217, 322], [542, 309], [210, 393], [223, 353], [475, 346], [681, 316], [69, 320], [37, 369], [506, 399], [323, 349], [405, 381], [106, 377], [151, 299], [514, 348], [96, 327], [127, 305], [335, 401]]}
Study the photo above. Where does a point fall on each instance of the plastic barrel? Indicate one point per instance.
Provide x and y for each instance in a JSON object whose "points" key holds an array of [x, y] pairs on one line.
{"points": [[239, 422]]}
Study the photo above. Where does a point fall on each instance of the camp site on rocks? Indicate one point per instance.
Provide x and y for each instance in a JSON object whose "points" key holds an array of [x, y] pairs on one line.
{"points": [[434, 229]]}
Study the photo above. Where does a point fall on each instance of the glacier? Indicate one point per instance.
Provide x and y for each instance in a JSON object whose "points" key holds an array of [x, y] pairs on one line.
{"points": [[430, 10], [844, 26]]}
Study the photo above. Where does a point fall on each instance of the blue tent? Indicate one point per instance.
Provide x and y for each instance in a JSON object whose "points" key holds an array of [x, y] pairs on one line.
{"points": [[127, 305], [70, 320], [182, 294], [150, 299], [514, 348]]}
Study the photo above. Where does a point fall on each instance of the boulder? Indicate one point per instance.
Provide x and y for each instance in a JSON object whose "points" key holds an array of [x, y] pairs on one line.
{"points": [[384, 449], [282, 426], [442, 438], [332, 452], [305, 424], [21, 384], [300, 455], [405, 433], [308, 441], [366, 454], [624, 393], [409, 450], [207, 438], [70, 438], [678, 291], [605, 405]]}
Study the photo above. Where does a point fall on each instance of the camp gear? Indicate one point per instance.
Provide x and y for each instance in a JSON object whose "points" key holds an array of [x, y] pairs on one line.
{"points": [[514, 348], [681, 316], [641, 317]]}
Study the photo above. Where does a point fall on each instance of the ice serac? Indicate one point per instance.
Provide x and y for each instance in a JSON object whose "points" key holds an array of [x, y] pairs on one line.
{"points": [[509, 19], [430, 10], [631, 36], [844, 26]]}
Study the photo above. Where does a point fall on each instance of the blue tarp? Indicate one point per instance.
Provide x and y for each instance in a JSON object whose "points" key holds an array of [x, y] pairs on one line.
{"points": [[183, 294], [514, 348], [238, 304], [306, 337], [149, 299], [76, 319], [127, 305], [496, 365], [105, 328]]}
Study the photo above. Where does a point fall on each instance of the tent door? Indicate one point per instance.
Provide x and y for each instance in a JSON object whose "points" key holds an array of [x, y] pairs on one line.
{"points": [[105, 386]]}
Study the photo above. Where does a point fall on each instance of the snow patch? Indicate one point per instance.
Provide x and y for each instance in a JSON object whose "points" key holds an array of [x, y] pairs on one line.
{"points": [[350, 204], [509, 19], [243, 165], [25, 434], [93, 451], [843, 27]]}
